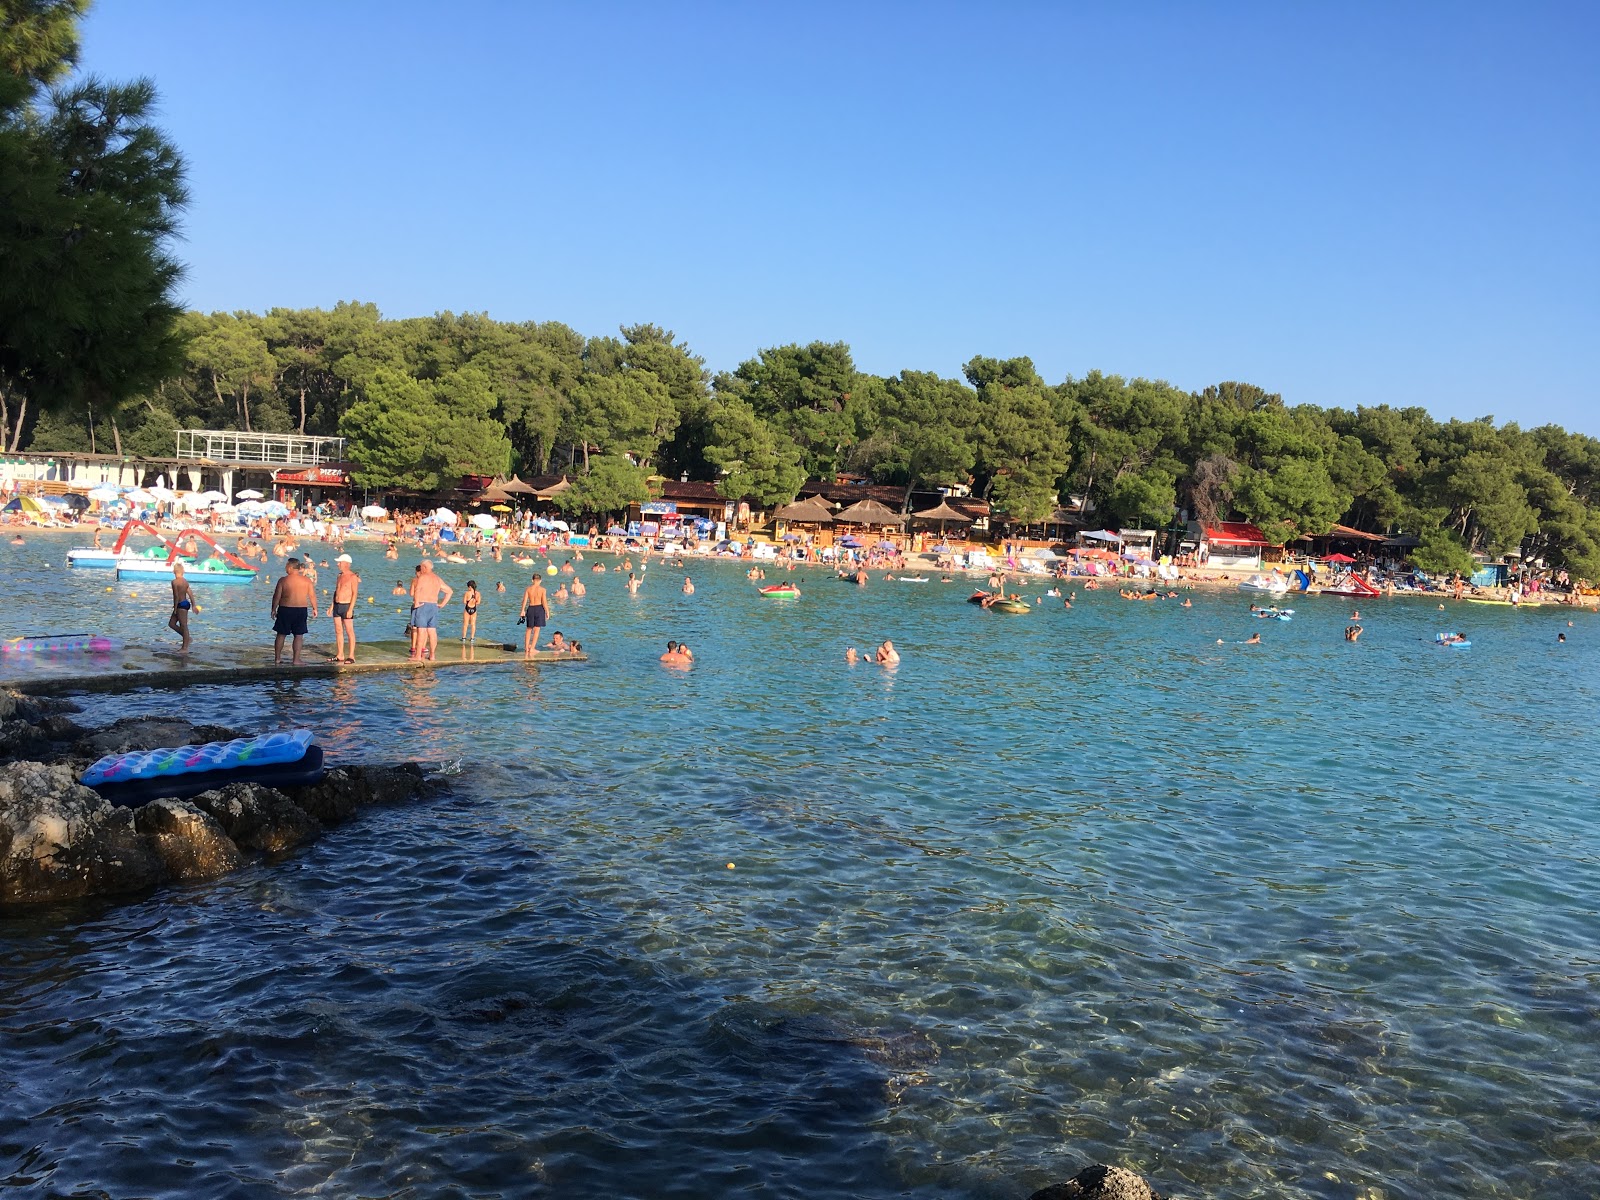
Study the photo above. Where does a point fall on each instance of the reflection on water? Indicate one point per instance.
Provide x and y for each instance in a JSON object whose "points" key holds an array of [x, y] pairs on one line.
{"points": [[1305, 919]]}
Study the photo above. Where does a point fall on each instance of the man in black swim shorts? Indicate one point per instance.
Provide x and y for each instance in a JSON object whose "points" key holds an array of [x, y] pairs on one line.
{"points": [[345, 591], [293, 601]]}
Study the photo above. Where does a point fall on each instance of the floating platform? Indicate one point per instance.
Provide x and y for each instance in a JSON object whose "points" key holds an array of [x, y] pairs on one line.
{"points": [[161, 666]]}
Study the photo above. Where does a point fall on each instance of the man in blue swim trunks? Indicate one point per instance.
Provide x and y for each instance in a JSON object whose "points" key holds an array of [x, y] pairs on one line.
{"points": [[294, 601], [425, 604]]}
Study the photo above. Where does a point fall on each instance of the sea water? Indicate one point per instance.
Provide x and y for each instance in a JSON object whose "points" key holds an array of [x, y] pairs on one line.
{"points": [[1303, 919]]}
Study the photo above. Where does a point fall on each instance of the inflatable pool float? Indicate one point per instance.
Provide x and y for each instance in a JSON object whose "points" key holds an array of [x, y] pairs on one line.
{"points": [[781, 591], [134, 792], [1444, 643], [61, 643], [275, 759], [1014, 607], [913, 579]]}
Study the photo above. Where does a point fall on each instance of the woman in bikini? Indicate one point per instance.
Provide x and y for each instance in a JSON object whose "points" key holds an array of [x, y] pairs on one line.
{"points": [[470, 600]]}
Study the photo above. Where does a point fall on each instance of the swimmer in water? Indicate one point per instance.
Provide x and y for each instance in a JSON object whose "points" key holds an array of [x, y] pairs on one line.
{"points": [[1187, 603], [399, 590], [577, 587], [688, 586], [850, 655], [887, 655], [1352, 632]]}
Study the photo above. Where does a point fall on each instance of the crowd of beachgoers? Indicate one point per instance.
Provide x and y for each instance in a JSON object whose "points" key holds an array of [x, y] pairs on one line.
{"points": [[525, 538]]}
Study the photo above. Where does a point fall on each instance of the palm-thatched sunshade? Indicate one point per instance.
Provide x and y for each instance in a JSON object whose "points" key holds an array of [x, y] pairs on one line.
{"points": [[560, 485], [495, 493], [868, 512], [942, 512], [517, 488], [813, 510]]}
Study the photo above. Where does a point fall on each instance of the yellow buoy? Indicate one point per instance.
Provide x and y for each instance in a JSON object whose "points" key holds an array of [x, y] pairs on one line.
{"points": [[730, 866], [370, 600], [108, 589], [551, 569]]}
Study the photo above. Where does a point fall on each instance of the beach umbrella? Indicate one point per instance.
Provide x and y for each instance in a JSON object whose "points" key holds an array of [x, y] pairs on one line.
{"points": [[139, 496], [249, 494], [73, 500], [275, 509], [500, 508], [615, 529], [561, 525], [941, 513], [868, 512], [209, 497], [163, 493], [373, 511], [481, 521], [516, 487], [444, 516], [885, 546], [813, 510], [852, 542], [104, 495], [1340, 558]]}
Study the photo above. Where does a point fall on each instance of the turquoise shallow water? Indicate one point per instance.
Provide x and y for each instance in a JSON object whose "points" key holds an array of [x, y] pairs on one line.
{"points": [[1302, 920]]}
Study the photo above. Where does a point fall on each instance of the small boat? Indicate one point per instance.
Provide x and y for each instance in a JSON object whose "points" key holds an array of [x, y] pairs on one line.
{"points": [[781, 591], [210, 571]]}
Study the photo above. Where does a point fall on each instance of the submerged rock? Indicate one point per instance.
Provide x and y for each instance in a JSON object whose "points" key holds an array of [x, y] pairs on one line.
{"points": [[148, 733], [1099, 1182], [61, 841]]}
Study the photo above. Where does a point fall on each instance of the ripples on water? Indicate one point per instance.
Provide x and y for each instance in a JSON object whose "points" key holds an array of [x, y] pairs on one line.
{"points": [[1305, 919]]}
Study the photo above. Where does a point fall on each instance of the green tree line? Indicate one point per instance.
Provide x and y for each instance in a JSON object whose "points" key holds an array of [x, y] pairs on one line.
{"points": [[425, 400]]}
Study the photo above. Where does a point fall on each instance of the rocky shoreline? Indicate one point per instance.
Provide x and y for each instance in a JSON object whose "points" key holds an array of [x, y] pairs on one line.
{"points": [[61, 841]]}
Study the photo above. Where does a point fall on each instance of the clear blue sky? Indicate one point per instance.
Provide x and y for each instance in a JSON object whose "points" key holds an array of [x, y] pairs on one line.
{"points": [[1348, 203]]}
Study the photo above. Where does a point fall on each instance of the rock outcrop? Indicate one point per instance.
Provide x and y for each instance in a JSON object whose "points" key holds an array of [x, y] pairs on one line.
{"points": [[1099, 1182], [60, 841]]}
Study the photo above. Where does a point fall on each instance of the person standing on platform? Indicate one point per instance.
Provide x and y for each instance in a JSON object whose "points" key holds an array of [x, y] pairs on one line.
{"points": [[346, 589], [535, 614], [294, 600], [426, 601]]}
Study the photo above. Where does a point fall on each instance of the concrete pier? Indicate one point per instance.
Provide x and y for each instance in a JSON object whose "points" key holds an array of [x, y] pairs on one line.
{"points": [[147, 666]]}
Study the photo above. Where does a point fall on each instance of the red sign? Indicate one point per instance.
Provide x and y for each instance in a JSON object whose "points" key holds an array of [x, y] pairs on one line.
{"points": [[314, 477]]}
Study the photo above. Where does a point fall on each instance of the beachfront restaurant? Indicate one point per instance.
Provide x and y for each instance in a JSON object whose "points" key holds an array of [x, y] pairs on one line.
{"points": [[1237, 544]]}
